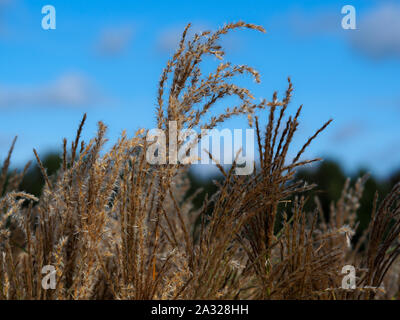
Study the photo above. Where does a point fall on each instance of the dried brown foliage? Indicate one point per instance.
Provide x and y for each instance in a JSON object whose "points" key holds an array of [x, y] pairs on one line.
{"points": [[116, 227]]}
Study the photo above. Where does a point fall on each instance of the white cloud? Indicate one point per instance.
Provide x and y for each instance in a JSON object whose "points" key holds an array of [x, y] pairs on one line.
{"points": [[69, 90], [348, 131], [168, 39], [378, 34], [312, 23], [113, 41], [4, 4]]}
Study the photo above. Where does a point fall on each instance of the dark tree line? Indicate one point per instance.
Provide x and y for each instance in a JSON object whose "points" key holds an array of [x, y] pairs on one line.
{"points": [[329, 177]]}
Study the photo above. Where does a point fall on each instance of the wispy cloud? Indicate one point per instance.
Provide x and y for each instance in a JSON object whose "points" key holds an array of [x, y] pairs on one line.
{"points": [[69, 90], [348, 131], [113, 41], [378, 34], [312, 23], [4, 5], [168, 39]]}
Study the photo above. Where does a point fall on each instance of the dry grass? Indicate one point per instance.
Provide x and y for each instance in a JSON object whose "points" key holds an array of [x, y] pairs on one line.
{"points": [[116, 227]]}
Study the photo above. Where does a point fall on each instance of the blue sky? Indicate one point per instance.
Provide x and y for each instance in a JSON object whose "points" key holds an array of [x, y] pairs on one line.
{"points": [[105, 58]]}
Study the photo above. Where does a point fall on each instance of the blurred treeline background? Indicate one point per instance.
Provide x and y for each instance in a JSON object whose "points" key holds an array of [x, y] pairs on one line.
{"points": [[329, 175]]}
